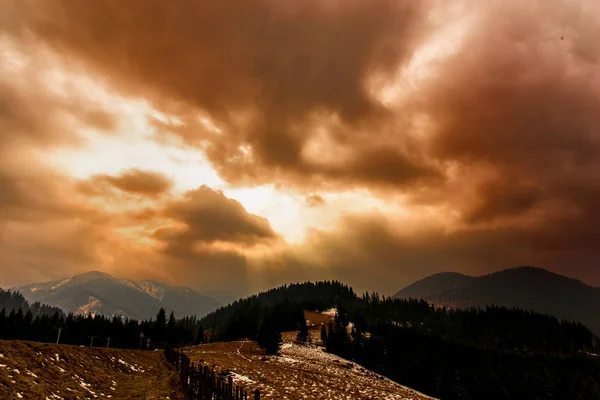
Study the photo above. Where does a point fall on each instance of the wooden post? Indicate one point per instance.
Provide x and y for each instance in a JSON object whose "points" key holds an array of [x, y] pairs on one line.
{"points": [[256, 395]]}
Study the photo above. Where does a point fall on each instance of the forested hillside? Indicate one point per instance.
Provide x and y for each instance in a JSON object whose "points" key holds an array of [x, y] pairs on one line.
{"points": [[12, 302], [528, 288], [452, 354]]}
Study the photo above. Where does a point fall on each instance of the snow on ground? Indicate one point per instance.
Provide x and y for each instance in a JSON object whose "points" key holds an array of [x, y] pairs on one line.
{"points": [[306, 372], [49, 371], [240, 379], [91, 307], [331, 312]]}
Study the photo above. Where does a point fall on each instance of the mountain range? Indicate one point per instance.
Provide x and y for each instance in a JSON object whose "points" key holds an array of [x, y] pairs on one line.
{"points": [[527, 288], [99, 293]]}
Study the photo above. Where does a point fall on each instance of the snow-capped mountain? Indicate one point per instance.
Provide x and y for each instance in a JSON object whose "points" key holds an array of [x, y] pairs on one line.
{"points": [[99, 293]]}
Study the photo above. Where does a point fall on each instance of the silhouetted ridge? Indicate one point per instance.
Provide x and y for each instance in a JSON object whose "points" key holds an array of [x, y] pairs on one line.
{"points": [[493, 352], [526, 287], [434, 284]]}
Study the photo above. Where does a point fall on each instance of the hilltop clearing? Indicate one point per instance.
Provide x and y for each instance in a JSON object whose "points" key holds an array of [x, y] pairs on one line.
{"points": [[46, 371], [299, 372]]}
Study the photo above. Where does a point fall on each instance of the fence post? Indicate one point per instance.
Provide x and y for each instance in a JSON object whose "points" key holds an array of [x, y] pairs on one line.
{"points": [[256, 395]]}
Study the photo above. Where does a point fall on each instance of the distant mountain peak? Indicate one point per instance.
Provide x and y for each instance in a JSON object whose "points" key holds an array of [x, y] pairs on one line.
{"points": [[433, 284], [525, 287], [97, 292]]}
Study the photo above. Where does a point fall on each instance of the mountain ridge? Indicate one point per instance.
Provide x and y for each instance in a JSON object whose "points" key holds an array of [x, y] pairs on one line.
{"points": [[100, 293], [529, 288]]}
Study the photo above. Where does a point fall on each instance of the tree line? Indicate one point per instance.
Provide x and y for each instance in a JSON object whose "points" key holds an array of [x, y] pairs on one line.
{"points": [[21, 321], [452, 354], [492, 353]]}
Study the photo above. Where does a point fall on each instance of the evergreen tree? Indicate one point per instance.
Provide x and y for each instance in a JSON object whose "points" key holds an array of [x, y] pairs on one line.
{"points": [[269, 336], [160, 325], [303, 334], [200, 335], [172, 328], [324, 335]]}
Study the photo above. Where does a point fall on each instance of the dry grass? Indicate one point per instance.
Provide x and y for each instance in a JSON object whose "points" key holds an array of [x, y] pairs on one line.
{"points": [[300, 372], [47, 371], [315, 320]]}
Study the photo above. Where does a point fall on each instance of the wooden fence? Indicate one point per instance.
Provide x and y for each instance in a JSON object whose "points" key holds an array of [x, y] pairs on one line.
{"points": [[202, 383]]}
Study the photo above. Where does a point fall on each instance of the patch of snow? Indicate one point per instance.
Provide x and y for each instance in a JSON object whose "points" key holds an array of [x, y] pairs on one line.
{"points": [[17, 371], [331, 312], [240, 378], [91, 307], [60, 369], [31, 373], [133, 368], [2, 366], [59, 284], [85, 386], [1, 355], [287, 360], [19, 395], [149, 288]]}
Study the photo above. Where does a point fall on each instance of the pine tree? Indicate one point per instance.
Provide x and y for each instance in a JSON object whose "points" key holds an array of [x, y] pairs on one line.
{"points": [[172, 328], [269, 336], [160, 325], [324, 335], [200, 335], [303, 333]]}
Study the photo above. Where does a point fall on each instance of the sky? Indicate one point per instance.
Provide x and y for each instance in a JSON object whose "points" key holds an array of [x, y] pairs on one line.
{"points": [[234, 146]]}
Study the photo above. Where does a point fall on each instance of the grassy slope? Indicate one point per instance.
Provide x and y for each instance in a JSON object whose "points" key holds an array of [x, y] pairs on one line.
{"points": [[300, 372], [40, 370]]}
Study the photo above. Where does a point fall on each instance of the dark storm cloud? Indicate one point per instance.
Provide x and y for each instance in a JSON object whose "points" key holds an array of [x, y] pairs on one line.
{"points": [[511, 148], [208, 216], [138, 182], [260, 68], [207, 240], [29, 113]]}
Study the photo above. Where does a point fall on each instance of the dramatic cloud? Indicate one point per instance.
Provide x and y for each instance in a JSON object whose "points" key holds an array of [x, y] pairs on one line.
{"points": [[286, 84], [138, 182], [438, 136], [209, 217]]}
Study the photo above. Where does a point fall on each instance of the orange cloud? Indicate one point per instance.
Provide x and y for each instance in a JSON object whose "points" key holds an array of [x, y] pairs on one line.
{"points": [[138, 182], [489, 148]]}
